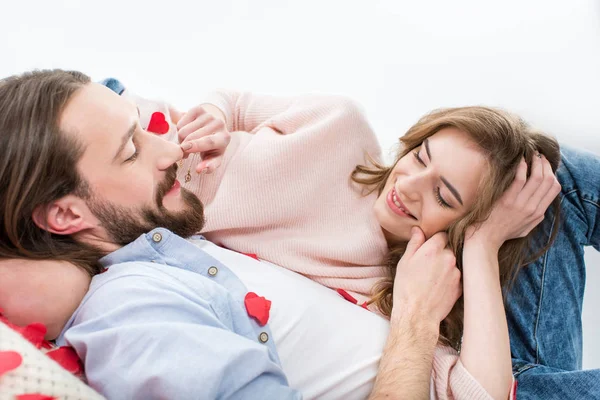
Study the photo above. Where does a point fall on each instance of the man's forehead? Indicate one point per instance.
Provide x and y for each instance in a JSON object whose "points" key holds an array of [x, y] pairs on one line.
{"points": [[96, 110]]}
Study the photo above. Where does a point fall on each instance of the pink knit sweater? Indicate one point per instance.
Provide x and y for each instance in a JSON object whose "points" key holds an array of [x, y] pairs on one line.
{"points": [[284, 193]]}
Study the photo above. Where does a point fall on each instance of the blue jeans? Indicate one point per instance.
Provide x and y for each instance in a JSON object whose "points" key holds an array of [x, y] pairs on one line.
{"points": [[544, 307]]}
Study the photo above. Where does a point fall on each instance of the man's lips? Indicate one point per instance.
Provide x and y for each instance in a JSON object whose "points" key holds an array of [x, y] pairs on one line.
{"points": [[175, 188], [396, 205]]}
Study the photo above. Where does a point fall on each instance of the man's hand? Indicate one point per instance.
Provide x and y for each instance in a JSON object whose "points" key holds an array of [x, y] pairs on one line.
{"points": [[522, 207], [203, 130], [427, 281], [426, 287]]}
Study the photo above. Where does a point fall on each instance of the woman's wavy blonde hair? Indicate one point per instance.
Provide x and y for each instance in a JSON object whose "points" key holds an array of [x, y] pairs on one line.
{"points": [[504, 139]]}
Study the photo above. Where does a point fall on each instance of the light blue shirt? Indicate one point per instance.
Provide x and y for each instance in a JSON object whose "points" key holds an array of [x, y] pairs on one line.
{"points": [[166, 320]]}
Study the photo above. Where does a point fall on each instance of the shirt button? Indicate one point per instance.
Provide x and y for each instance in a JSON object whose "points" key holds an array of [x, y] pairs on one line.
{"points": [[212, 271], [263, 337], [157, 237]]}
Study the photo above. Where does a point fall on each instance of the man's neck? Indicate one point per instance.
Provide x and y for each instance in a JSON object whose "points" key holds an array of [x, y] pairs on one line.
{"points": [[100, 241]]}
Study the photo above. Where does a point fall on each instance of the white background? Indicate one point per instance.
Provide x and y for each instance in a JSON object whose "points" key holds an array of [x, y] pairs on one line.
{"points": [[400, 59]]}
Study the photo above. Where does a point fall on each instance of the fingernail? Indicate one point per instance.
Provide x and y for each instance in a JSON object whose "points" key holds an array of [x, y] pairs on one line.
{"points": [[186, 146]]}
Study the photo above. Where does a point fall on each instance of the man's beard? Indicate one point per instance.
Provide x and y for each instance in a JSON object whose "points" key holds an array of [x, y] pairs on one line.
{"points": [[124, 225]]}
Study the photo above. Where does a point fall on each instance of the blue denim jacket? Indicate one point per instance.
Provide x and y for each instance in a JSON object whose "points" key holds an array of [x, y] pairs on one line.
{"points": [[167, 320]]}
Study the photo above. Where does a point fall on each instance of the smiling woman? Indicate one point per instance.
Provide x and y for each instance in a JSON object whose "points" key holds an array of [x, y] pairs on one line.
{"points": [[453, 165]]}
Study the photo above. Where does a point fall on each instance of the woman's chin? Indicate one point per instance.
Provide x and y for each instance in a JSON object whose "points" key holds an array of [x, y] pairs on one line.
{"points": [[393, 237]]}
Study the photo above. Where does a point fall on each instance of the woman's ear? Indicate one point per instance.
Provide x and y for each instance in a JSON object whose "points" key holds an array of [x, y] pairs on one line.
{"points": [[64, 216]]}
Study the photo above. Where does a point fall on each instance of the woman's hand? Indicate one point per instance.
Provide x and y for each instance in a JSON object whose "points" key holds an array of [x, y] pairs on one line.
{"points": [[522, 207], [203, 130]]}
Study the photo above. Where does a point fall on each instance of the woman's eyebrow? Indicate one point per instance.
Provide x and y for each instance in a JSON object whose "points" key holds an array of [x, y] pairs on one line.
{"points": [[451, 188]]}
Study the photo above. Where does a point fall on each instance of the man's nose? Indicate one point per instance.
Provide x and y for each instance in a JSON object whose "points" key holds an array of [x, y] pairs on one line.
{"points": [[168, 154]]}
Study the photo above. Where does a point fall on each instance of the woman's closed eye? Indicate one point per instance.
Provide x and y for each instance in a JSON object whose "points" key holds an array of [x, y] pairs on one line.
{"points": [[440, 199], [419, 160], [436, 191]]}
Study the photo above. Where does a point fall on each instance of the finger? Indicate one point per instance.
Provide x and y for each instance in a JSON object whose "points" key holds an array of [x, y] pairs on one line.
{"points": [[217, 142], [417, 239], [439, 240], [520, 179], [458, 288], [213, 127], [212, 165], [200, 122], [533, 182], [204, 132], [203, 166], [546, 185], [209, 163], [548, 197], [189, 116], [450, 258]]}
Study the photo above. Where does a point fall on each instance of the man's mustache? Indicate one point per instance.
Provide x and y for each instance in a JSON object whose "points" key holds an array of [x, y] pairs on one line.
{"points": [[166, 184]]}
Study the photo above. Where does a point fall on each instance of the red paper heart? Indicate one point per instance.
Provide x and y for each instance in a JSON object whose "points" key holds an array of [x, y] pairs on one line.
{"points": [[347, 296], [34, 396], [251, 255], [257, 307], [67, 358], [47, 345], [158, 124], [34, 333], [9, 360]]}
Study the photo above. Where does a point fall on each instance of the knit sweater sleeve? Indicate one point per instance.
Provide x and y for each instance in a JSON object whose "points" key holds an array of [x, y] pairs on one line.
{"points": [[249, 112], [451, 380]]}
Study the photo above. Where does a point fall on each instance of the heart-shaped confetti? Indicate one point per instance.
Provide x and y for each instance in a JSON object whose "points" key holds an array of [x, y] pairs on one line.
{"points": [[67, 358], [257, 307], [347, 296], [158, 123], [34, 333], [9, 360], [35, 396], [251, 255], [47, 345]]}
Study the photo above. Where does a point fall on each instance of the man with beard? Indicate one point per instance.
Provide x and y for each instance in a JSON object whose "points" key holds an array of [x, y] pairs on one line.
{"points": [[82, 182]]}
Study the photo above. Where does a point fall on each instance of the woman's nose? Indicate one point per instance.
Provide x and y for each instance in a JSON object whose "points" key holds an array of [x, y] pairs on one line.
{"points": [[411, 185]]}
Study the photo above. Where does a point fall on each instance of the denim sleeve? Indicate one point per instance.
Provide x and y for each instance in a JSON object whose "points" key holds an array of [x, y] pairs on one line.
{"points": [[113, 84], [147, 337]]}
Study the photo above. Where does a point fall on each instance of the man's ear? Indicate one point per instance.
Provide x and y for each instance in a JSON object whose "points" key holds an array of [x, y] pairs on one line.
{"points": [[64, 216]]}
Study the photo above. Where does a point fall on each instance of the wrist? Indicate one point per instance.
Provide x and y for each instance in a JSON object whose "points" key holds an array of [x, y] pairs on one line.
{"points": [[483, 241], [480, 256], [419, 325]]}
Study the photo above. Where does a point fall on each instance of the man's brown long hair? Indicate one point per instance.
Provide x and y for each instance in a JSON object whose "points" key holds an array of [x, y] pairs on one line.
{"points": [[38, 165], [504, 139]]}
